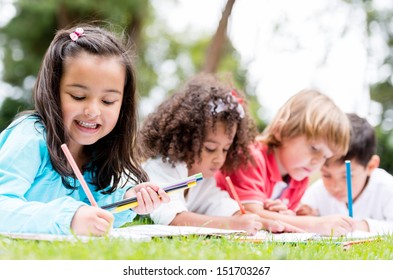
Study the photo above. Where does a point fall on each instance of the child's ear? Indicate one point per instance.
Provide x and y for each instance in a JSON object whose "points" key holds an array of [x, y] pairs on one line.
{"points": [[277, 135], [372, 164]]}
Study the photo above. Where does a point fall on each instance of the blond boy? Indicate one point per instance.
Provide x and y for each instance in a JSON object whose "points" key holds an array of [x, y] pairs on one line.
{"points": [[308, 129]]}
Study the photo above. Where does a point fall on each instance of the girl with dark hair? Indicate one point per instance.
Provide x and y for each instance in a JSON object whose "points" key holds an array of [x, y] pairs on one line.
{"points": [[85, 96]]}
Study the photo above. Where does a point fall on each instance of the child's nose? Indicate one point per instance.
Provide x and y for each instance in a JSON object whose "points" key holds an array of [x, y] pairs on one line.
{"points": [[92, 110], [318, 160], [219, 159], [337, 189]]}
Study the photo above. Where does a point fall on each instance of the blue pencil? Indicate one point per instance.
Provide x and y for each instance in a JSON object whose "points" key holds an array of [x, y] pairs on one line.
{"points": [[349, 186]]}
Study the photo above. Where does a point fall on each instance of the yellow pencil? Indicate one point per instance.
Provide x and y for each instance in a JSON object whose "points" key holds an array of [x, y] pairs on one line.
{"points": [[132, 202]]}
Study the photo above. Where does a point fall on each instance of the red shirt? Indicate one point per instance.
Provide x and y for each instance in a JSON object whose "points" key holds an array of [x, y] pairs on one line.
{"points": [[255, 183]]}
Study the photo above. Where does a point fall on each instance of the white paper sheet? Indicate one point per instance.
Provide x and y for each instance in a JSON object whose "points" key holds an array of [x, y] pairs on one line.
{"points": [[264, 236], [133, 233], [164, 231]]}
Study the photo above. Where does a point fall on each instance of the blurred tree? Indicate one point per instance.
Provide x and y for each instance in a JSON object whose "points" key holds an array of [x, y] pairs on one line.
{"points": [[163, 59], [379, 28], [30, 32], [9, 108], [384, 148], [217, 44], [26, 37]]}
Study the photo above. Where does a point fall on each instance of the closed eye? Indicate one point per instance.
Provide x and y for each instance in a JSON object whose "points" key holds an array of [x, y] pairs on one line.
{"points": [[108, 102], [314, 149], [77, 97]]}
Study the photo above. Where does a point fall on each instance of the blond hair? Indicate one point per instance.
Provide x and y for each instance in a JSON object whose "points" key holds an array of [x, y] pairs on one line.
{"points": [[312, 114]]}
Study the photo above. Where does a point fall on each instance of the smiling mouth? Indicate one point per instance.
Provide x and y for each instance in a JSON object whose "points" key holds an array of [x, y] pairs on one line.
{"points": [[87, 124]]}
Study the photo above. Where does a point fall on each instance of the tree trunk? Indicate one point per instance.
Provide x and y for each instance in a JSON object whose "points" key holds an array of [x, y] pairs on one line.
{"points": [[63, 17], [135, 30], [214, 52]]}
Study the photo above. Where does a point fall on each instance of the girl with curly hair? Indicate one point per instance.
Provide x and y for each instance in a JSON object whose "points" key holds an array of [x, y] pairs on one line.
{"points": [[204, 127]]}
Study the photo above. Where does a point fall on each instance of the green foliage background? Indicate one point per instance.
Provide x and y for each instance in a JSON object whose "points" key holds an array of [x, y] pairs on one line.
{"points": [[25, 46], [25, 38]]}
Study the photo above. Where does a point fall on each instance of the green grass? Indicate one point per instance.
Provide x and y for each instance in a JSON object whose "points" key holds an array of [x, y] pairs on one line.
{"points": [[190, 248]]}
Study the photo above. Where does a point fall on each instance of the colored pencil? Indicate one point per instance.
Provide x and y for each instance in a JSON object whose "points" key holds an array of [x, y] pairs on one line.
{"points": [[348, 244], [234, 193], [132, 201], [349, 186], [78, 174]]}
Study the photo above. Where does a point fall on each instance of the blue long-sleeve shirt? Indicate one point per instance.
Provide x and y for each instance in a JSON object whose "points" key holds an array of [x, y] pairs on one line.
{"points": [[33, 198]]}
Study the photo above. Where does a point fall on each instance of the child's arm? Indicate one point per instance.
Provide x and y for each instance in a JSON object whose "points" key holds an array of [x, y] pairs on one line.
{"points": [[327, 225], [382, 220], [277, 205], [275, 226], [32, 196], [362, 225], [306, 210], [248, 222], [376, 226]]}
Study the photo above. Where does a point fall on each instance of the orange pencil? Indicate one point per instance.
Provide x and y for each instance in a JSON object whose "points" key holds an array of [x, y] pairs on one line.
{"points": [[79, 175], [348, 244], [234, 193]]}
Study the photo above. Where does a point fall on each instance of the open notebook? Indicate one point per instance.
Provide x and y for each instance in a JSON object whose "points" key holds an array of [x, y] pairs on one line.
{"points": [[133, 233], [264, 236], [168, 231], [146, 232]]}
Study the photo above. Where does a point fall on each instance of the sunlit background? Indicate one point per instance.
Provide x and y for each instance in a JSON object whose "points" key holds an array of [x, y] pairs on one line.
{"points": [[289, 45], [273, 49]]}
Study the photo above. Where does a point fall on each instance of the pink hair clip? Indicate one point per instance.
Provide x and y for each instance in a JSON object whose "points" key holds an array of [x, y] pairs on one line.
{"points": [[238, 99], [76, 34]]}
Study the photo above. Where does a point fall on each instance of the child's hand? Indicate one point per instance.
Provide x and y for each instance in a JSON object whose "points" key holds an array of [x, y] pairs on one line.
{"points": [[89, 220], [305, 210], [335, 225], [279, 226], [149, 197], [362, 225], [277, 205], [248, 222]]}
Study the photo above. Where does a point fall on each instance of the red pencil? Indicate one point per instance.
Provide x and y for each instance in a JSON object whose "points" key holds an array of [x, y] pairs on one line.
{"points": [[234, 193]]}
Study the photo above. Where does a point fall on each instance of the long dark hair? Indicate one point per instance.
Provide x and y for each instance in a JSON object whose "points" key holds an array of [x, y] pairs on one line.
{"points": [[113, 155]]}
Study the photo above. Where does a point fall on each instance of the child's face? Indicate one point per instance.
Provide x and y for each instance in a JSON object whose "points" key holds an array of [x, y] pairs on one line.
{"points": [[334, 179], [91, 94], [300, 157], [214, 151]]}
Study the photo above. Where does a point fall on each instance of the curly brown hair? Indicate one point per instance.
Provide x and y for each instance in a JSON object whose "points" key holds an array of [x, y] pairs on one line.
{"points": [[178, 127]]}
